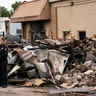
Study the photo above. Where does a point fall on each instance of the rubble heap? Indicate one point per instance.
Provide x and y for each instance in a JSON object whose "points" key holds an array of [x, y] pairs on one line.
{"points": [[60, 63]]}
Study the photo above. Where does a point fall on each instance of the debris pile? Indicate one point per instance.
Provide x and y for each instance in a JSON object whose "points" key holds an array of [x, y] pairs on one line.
{"points": [[54, 62]]}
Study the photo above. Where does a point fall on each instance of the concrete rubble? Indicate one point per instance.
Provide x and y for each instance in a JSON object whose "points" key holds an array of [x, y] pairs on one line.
{"points": [[64, 64]]}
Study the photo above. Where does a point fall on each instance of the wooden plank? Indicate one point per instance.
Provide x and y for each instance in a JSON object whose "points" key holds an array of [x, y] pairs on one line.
{"points": [[16, 80]]}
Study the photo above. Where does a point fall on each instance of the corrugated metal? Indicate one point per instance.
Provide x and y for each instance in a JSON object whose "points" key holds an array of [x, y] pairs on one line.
{"points": [[30, 11]]}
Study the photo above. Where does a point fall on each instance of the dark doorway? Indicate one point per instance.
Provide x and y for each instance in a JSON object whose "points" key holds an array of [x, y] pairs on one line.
{"points": [[37, 35], [37, 30], [82, 35]]}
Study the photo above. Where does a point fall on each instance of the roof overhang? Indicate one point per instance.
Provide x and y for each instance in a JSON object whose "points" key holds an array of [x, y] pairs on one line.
{"points": [[32, 11]]}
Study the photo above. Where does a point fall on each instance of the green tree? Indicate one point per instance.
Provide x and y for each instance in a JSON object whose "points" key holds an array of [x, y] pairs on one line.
{"points": [[14, 7], [4, 12]]}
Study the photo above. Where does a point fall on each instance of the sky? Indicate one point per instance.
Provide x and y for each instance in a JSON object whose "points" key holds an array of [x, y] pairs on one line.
{"points": [[7, 3]]}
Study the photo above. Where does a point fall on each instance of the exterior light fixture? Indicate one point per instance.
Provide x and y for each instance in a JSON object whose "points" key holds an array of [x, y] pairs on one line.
{"points": [[71, 3]]}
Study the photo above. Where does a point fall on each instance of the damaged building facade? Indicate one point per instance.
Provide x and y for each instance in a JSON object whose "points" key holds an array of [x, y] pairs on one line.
{"points": [[56, 18], [34, 16]]}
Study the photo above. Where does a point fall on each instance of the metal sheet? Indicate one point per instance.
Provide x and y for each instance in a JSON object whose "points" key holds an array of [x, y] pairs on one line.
{"points": [[58, 60], [13, 70]]}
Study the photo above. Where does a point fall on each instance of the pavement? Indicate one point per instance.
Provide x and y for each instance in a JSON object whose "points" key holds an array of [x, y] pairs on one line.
{"points": [[29, 91], [23, 91]]}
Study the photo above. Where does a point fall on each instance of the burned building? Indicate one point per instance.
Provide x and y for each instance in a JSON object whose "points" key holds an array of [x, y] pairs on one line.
{"points": [[56, 18]]}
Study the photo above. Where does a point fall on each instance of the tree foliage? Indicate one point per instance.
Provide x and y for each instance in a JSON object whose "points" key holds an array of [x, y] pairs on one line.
{"points": [[4, 12], [14, 7]]}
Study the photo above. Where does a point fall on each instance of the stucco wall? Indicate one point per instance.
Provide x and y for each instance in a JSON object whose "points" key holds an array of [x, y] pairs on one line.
{"points": [[79, 17]]}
